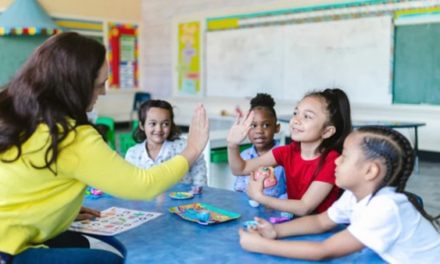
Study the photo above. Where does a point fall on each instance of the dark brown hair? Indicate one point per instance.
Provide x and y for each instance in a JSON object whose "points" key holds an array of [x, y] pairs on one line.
{"points": [[56, 83], [338, 111], [139, 135]]}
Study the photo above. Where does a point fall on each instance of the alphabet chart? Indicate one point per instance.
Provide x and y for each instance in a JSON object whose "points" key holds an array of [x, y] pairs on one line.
{"points": [[113, 221]]}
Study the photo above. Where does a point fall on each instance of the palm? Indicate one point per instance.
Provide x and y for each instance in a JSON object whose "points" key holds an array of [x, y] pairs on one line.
{"points": [[199, 129], [240, 129]]}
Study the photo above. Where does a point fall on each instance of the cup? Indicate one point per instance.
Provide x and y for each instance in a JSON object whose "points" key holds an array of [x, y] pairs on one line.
{"points": [[203, 215], [195, 189]]}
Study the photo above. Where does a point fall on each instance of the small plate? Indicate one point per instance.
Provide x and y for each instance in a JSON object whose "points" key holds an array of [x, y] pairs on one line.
{"points": [[189, 213], [181, 195]]}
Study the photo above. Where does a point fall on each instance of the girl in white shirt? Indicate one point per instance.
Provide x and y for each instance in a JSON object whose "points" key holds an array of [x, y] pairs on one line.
{"points": [[374, 167], [159, 139]]}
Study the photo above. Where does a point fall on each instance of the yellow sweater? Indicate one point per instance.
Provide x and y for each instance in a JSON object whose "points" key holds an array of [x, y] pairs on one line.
{"points": [[36, 205]]}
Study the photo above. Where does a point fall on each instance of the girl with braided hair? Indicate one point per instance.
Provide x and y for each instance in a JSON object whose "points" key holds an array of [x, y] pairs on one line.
{"points": [[374, 167]]}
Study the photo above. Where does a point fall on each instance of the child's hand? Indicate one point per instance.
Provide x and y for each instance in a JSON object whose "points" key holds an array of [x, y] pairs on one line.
{"points": [[87, 213], [250, 240], [265, 228], [198, 135], [254, 189], [240, 130]]}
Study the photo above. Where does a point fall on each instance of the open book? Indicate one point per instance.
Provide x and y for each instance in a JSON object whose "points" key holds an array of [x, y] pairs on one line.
{"points": [[113, 220]]}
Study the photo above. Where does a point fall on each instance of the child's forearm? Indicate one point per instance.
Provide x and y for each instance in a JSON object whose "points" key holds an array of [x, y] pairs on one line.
{"points": [[236, 162], [294, 249], [296, 207], [306, 225]]}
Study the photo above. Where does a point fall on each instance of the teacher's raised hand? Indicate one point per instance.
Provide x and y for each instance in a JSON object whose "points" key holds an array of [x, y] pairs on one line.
{"points": [[198, 135]]}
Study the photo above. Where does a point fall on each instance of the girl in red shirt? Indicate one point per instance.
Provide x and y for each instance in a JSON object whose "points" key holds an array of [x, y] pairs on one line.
{"points": [[319, 126]]}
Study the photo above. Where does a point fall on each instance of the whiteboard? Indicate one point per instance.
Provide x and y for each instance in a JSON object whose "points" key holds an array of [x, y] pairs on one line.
{"points": [[288, 61]]}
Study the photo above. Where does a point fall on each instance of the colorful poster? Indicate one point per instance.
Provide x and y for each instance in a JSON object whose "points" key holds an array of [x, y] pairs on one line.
{"points": [[189, 59], [113, 221], [123, 55]]}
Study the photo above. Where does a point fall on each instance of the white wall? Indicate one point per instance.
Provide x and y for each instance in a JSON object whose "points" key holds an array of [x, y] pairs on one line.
{"points": [[156, 71]]}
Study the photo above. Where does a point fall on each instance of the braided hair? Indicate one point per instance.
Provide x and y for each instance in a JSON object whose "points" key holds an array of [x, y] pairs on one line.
{"points": [[264, 101], [396, 152]]}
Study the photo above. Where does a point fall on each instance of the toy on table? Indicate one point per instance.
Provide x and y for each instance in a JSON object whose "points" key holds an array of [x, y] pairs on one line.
{"points": [[277, 220], [195, 189], [203, 216], [270, 181], [250, 224], [93, 193]]}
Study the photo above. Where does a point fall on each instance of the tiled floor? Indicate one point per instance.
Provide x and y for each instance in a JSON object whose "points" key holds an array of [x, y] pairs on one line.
{"points": [[426, 184]]}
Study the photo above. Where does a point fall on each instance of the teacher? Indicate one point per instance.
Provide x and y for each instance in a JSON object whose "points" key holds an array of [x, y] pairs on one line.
{"points": [[50, 152]]}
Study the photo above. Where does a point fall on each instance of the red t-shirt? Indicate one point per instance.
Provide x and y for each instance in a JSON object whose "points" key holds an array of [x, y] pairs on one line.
{"points": [[299, 173]]}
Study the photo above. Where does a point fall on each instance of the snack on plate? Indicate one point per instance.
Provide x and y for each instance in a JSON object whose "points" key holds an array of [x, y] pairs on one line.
{"points": [[270, 181]]}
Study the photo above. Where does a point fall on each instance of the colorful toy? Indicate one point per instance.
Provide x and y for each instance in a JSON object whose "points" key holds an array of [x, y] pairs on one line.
{"points": [[268, 174], [181, 195], [250, 224], [277, 220]]}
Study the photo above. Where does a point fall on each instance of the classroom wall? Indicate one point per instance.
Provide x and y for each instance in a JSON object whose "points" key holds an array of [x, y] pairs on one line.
{"points": [[128, 10], [157, 69], [101, 10]]}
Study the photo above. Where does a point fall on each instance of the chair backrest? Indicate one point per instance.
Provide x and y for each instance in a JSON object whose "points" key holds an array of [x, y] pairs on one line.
{"points": [[108, 121], [139, 98]]}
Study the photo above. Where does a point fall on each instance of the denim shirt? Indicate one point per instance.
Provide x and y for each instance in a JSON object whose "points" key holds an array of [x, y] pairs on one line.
{"points": [[275, 191]]}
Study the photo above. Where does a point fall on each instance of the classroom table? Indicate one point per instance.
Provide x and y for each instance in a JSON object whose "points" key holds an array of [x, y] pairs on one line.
{"points": [[171, 239], [391, 124]]}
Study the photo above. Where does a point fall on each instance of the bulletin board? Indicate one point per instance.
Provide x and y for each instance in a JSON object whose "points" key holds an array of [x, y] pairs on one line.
{"points": [[417, 63], [189, 55], [288, 52], [123, 54]]}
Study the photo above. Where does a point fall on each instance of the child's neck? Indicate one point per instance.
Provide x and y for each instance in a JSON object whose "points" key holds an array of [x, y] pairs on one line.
{"points": [[265, 149], [153, 149], [310, 150]]}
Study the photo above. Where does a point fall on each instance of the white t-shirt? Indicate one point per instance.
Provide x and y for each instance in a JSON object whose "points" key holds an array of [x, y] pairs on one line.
{"points": [[138, 156], [390, 225]]}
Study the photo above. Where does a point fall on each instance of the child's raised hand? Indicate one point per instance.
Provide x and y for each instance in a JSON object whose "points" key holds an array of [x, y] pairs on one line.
{"points": [[240, 130], [254, 189], [198, 134], [265, 228]]}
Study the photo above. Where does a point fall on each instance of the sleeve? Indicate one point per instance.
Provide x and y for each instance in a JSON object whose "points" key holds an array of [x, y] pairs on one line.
{"points": [[340, 211], [198, 172], [379, 225], [92, 162], [279, 153], [327, 172]]}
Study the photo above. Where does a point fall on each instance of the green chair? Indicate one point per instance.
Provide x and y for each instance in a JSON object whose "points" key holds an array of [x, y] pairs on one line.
{"points": [[111, 134], [126, 141]]}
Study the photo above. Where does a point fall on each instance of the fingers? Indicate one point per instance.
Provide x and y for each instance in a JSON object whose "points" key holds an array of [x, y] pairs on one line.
{"points": [[241, 231], [90, 211]]}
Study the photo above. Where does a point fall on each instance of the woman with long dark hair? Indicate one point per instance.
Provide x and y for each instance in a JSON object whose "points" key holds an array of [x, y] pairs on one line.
{"points": [[49, 152]]}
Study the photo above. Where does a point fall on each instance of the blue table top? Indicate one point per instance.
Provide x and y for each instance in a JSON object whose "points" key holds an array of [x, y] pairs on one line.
{"points": [[171, 239]]}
